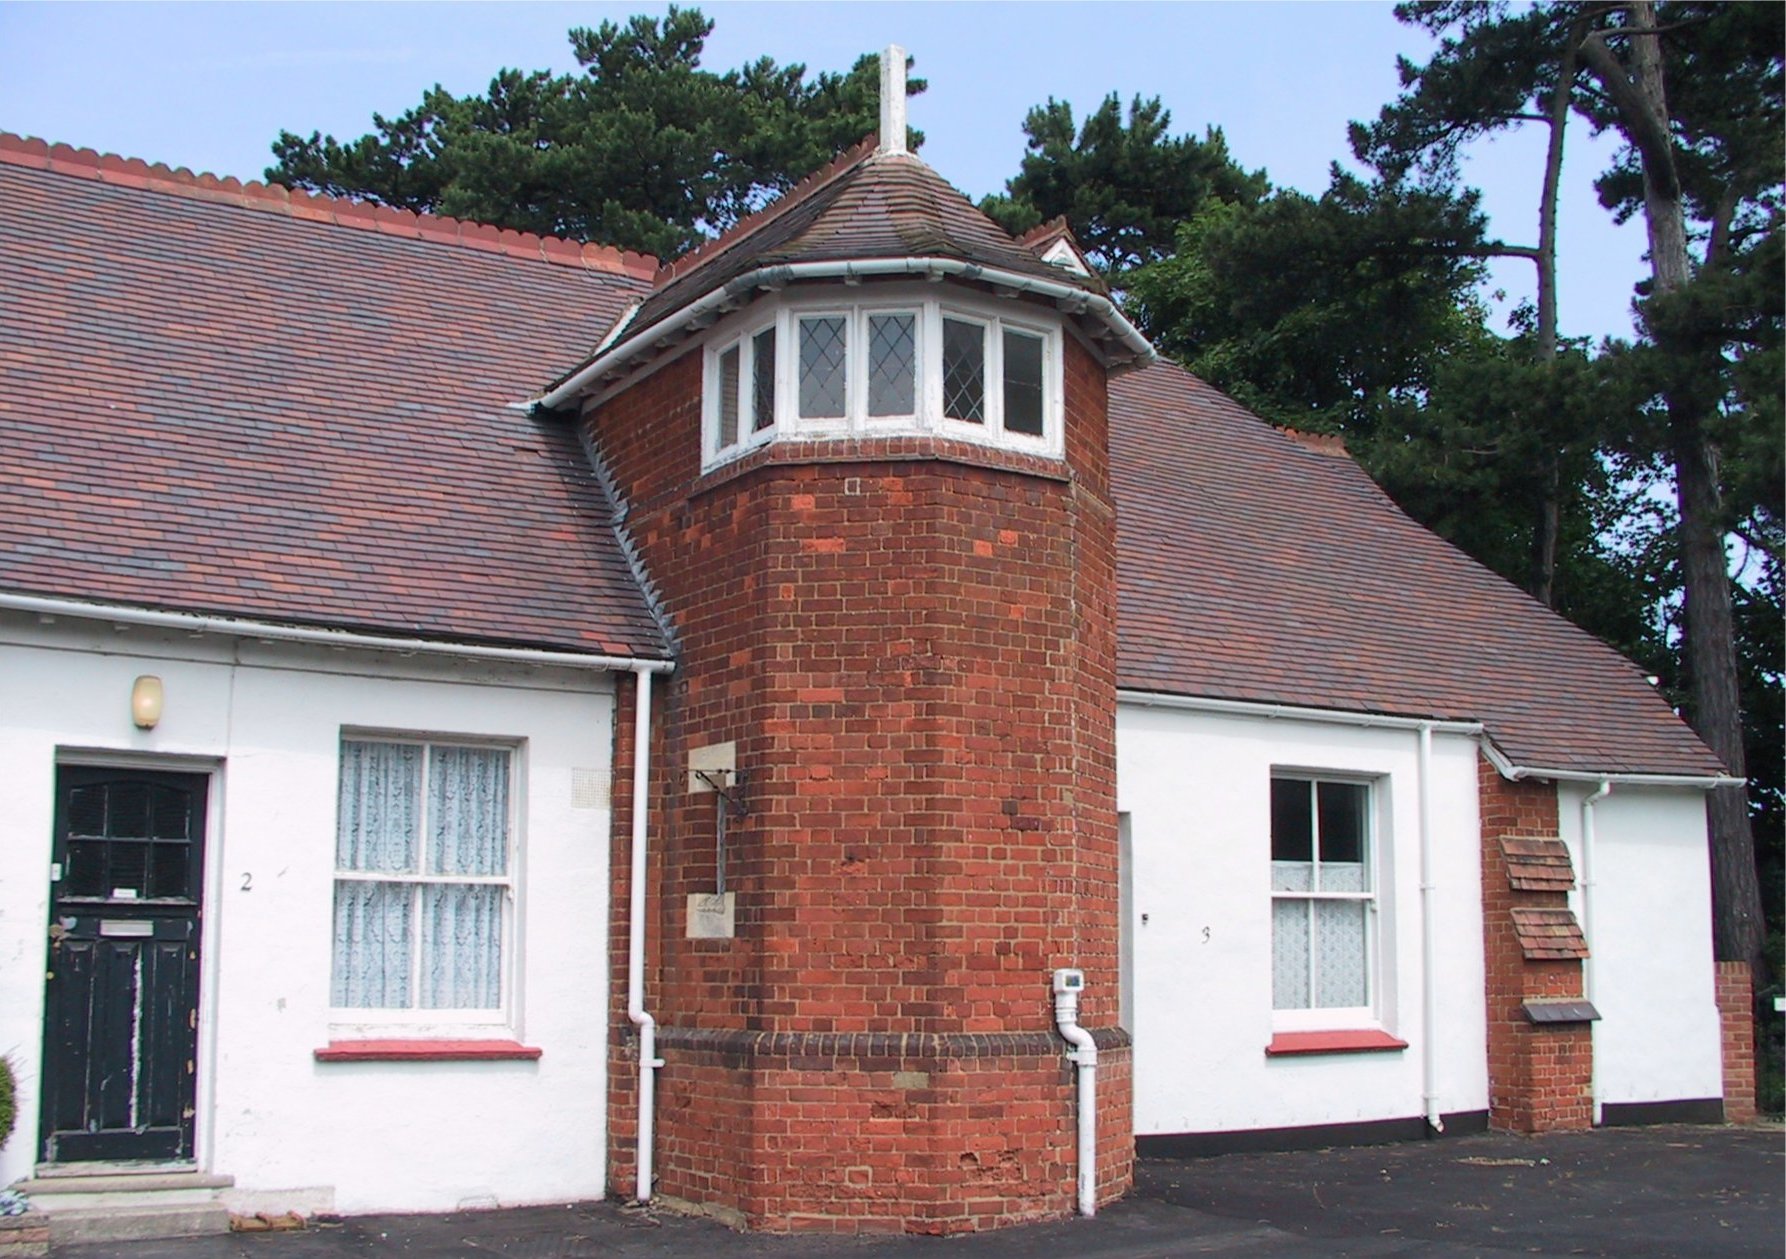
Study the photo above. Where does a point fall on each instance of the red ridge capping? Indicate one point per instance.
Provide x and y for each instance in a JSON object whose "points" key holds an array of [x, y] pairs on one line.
{"points": [[317, 207], [1360, 1041], [425, 1051]]}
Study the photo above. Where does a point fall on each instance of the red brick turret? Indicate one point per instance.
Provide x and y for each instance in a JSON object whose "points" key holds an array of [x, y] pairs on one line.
{"points": [[909, 641]]}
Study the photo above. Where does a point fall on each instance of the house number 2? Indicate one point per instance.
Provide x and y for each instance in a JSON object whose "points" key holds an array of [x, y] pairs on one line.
{"points": [[247, 882]]}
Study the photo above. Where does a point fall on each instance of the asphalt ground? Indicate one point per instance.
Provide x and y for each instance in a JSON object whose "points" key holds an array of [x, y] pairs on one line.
{"points": [[1654, 1193]]}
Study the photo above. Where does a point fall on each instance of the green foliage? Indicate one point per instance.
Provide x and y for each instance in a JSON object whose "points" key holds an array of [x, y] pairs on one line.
{"points": [[9, 1099], [1124, 186], [644, 149], [1318, 313]]}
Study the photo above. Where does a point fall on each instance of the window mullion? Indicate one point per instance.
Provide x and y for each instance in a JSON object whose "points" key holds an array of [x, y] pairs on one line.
{"points": [[995, 379], [1314, 964], [930, 365]]}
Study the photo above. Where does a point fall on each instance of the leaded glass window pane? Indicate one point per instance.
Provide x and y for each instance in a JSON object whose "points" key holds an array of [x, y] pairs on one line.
{"points": [[728, 398], [824, 346], [964, 371], [762, 381], [1023, 383], [892, 364]]}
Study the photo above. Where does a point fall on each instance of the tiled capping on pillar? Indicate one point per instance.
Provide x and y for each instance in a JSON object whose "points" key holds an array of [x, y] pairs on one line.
{"points": [[1736, 1011], [1540, 1046]]}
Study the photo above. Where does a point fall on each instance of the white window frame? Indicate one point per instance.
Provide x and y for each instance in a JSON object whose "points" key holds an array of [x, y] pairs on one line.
{"points": [[1336, 1018], [749, 437], [928, 305], [426, 1022]]}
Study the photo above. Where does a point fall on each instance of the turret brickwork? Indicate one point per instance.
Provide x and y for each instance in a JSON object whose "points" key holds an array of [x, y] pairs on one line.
{"points": [[910, 643]]}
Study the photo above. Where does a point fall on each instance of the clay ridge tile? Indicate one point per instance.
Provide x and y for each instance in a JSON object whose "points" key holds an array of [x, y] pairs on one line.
{"points": [[109, 168], [1046, 233]]}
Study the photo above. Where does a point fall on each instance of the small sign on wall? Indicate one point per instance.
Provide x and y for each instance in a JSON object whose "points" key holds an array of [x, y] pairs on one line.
{"points": [[711, 915]]}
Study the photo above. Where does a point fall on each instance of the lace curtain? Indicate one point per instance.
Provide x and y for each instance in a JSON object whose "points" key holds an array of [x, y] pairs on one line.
{"points": [[1335, 973], [406, 942]]}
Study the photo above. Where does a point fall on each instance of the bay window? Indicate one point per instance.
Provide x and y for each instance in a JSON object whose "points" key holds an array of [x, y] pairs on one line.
{"points": [[978, 371]]}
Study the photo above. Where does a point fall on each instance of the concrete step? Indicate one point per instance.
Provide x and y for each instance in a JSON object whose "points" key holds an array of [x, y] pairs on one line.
{"points": [[63, 1192], [143, 1221], [109, 1203]]}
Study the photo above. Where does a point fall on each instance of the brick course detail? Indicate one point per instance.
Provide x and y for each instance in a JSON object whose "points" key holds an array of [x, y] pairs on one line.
{"points": [[912, 649]]}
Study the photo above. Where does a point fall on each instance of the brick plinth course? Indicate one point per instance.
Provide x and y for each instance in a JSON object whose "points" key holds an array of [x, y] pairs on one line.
{"points": [[24, 1236], [1736, 1012], [910, 642], [1540, 1076]]}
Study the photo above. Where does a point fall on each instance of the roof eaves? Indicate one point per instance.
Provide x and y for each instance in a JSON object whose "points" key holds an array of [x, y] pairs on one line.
{"points": [[1075, 300]]}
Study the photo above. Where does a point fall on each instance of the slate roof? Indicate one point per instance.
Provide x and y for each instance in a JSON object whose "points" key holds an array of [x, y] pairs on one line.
{"points": [[1253, 566], [232, 400]]}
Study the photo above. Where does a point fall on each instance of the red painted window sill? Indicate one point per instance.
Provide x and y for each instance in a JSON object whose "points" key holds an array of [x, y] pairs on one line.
{"points": [[1362, 1041], [425, 1051]]}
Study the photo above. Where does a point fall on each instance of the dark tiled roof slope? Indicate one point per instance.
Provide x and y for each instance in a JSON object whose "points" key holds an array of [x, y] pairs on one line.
{"points": [[300, 416], [870, 205], [1256, 567]]}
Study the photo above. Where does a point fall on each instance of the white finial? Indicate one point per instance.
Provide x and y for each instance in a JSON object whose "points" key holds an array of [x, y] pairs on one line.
{"points": [[893, 100]]}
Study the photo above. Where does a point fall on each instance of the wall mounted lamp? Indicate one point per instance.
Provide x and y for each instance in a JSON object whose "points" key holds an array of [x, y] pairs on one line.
{"points": [[145, 701]]}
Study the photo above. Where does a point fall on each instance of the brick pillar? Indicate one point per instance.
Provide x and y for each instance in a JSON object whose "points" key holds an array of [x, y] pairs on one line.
{"points": [[1736, 1012], [1540, 1039]]}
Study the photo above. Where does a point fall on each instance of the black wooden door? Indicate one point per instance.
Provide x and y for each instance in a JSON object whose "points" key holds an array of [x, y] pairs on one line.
{"points": [[121, 1009]]}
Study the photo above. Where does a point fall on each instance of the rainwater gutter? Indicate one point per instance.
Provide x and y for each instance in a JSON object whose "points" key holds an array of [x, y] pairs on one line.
{"points": [[1290, 712], [737, 291], [1514, 773], [269, 631], [1587, 925]]}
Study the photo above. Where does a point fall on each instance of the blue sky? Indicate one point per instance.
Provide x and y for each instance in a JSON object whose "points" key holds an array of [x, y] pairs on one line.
{"points": [[209, 86]]}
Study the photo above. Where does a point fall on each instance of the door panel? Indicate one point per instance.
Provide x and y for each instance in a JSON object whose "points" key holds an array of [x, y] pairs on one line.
{"points": [[121, 1008]]}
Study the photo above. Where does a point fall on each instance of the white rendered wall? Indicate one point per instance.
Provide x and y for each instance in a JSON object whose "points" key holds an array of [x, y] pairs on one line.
{"points": [[1196, 787], [1651, 943], [268, 720]]}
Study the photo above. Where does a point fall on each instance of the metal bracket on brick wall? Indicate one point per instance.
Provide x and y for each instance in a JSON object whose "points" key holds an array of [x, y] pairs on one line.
{"points": [[731, 804]]}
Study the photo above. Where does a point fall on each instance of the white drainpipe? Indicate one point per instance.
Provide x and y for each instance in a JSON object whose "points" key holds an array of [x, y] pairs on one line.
{"points": [[1587, 924], [1429, 988], [635, 943], [1068, 983]]}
